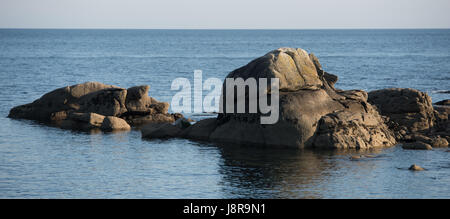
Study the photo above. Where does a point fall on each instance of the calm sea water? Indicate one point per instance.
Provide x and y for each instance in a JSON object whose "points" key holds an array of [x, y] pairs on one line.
{"points": [[37, 161]]}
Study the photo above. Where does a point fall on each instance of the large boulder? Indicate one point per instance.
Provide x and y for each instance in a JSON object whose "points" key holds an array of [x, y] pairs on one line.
{"points": [[293, 67], [312, 113], [137, 99], [411, 112], [347, 129], [72, 106], [408, 109]]}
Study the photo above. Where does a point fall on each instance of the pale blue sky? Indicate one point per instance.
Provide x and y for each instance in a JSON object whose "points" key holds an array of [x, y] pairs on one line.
{"points": [[225, 14]]}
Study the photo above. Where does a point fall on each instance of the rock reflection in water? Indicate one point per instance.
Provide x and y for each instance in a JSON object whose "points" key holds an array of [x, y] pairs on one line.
{"points": [[250, 172]]}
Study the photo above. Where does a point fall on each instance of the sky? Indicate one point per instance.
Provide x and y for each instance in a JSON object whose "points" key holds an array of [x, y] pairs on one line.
{"points": [[225, 14]]}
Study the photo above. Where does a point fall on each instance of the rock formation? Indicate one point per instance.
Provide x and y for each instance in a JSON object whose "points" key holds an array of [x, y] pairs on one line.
{"points": [[312, 113], [409, 110], [411, 116], [95, 105]]}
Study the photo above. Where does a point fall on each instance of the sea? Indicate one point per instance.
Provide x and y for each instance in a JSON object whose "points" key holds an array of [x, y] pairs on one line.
{"points": [[38, 161]]}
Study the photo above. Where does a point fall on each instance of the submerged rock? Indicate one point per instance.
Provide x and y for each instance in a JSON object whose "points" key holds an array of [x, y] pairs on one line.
{"points": [[416, 168], [418, 145], [312, 113], [84, 106], [160, 130], [356, 157]]}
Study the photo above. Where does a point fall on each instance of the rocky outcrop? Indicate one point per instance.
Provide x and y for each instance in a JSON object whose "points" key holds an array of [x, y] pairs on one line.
{"points": [[411, 115], [96, 105], [312, 113]]}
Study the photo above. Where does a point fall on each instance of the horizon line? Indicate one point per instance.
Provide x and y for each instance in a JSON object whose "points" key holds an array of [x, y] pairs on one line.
{"points": [[101, 28]]}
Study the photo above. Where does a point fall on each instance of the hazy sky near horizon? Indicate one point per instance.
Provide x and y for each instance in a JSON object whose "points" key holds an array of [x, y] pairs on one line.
{"points": [[225, 14]]}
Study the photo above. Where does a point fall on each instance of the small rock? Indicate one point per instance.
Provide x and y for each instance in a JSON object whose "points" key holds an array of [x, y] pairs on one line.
{"points": [[418, 145], [111, 123], [356, 157], [416, 168]]}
